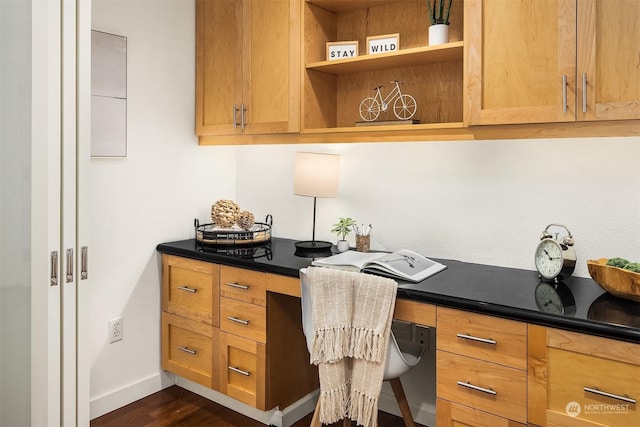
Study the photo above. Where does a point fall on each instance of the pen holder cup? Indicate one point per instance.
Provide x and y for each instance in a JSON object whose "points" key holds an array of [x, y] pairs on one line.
{"points": [[363, 243]]}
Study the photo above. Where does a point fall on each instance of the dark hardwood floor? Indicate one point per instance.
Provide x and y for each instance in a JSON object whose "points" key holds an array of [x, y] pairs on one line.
{"points": [[175, 406]]}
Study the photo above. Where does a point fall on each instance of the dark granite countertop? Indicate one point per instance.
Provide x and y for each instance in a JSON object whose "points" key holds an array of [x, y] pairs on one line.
{"points": [[497, 291]]}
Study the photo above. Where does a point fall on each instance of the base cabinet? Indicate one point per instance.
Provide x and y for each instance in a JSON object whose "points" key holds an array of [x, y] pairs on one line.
{"points": [[480, 369], [453, 415], [223, 329], [582, 380]]}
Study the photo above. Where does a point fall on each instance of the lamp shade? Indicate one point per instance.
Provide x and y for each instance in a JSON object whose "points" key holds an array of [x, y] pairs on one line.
{"points": [[316, 174]]}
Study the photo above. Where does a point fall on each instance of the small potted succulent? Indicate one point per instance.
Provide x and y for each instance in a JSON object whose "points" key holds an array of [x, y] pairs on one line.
{"points": [[342, 229], [439, 19]]}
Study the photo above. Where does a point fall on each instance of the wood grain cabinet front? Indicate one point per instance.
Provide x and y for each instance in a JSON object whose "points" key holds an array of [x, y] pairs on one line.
{"points": [[247, 67], [536, 61], [481, 364], [584, 380], [454, 415], [243, 319], [188, 349], [190, 289], [221, 328]]}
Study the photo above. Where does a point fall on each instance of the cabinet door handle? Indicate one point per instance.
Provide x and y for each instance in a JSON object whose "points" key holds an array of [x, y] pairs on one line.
{"points": [[235, 319], [187, 289], [242, 110], [477, 339], [564, 93], [584, 92], [467, 384], [69, 265], [54, 269], [234, 114], [84, 263], [237, 285], [188, 350], [624, 398], [239, 371]]}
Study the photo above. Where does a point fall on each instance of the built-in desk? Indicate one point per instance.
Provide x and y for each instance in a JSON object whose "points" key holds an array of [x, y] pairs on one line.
{"points": [[596, 329]]}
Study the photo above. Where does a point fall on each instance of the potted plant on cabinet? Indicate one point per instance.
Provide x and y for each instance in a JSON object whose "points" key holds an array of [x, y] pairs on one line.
{"points": [[439, 18], [342, 229]]}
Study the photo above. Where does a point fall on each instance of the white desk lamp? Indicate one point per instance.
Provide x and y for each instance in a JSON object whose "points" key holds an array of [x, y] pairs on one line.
{"points": [[315, 175]]}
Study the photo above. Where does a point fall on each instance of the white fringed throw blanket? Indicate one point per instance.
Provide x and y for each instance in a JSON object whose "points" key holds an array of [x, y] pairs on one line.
{"points": [[352, 315]]}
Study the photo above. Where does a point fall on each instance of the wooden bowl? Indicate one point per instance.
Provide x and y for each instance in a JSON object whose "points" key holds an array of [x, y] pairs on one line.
{"points": [[617, 281]]}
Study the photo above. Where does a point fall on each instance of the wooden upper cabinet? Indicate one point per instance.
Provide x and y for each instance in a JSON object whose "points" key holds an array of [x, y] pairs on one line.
{"points": [[247, 67], [519, 54], [608, 59], [538, 61]]}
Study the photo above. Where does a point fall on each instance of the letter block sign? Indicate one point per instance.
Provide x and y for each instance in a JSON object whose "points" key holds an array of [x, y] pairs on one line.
{"points": [[383, 44], [342, 50]]}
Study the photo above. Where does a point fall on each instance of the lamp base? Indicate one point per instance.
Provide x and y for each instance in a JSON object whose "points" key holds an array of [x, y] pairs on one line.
{"points": [[313, 248]]}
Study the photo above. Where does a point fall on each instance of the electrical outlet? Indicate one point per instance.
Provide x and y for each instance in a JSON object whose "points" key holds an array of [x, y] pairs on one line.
{"points": [[115, 329], [402, 330], [422, 335]]}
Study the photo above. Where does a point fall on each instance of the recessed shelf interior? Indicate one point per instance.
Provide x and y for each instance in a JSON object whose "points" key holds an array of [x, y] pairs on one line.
{"points": [[333, 90]]}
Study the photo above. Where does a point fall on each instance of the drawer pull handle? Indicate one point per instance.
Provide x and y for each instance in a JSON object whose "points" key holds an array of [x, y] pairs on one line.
{"points": [[235, 319], [188, 350], [239, 286], [187, 289], [478, 339], [239, 371], [477, 388], [624, 398]]}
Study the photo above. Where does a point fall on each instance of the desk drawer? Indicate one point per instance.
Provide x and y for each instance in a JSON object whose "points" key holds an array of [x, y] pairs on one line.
{"points": [[581, 379], [242, 369], [190, 288], [486, 386], [187, 348], [243, 285], [243, 319], [483, 337]]}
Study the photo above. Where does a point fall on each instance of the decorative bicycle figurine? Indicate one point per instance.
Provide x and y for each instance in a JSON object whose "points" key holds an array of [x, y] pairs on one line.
{"points": [[404, 105]]}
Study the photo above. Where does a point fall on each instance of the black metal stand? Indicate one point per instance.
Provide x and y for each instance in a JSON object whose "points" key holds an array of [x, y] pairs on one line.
{"points": [[312, 248]]}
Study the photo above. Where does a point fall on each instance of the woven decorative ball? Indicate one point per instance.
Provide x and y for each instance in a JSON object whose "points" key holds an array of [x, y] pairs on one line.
{"points": [[224, 213], [245, 220]]}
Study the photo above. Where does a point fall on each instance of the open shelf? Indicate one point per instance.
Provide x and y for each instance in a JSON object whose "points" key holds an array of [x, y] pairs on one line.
{"points": [[341, 6], [388, 128], [333, 90], [402, 58]]}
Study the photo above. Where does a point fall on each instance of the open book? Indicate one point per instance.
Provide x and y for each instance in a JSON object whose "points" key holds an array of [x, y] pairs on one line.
{"points": [[402, 265]]}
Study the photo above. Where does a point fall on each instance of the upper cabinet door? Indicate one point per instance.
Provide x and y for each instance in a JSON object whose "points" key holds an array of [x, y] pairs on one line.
{"points": [[218, 66], [521, 61], [247, 67], [271, 92], [608, 70]]}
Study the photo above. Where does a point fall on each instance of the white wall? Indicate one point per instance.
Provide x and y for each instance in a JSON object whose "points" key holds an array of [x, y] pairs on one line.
{"points": [[475, 201], [151, 196]]}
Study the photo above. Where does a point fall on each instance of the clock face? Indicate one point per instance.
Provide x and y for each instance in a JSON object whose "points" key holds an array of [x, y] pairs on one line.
{"points": [[548, 259]]}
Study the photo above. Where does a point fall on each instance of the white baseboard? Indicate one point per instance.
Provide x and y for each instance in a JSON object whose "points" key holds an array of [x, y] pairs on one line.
{"points": [[276, 417], [423, 414], [111, 401]]}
